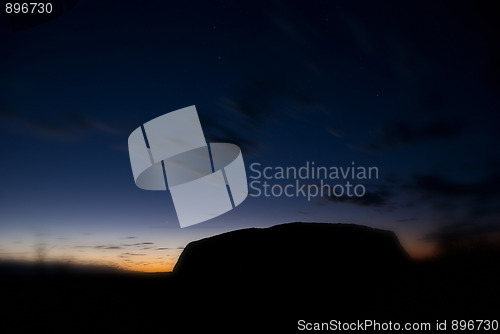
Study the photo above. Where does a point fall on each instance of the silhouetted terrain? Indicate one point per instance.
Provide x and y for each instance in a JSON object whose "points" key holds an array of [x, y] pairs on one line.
{"points": [[263, 280], [323, 251], [53, 269]]}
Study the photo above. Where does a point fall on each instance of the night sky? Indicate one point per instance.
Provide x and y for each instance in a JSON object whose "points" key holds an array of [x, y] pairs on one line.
{"points": [[409, 87]]}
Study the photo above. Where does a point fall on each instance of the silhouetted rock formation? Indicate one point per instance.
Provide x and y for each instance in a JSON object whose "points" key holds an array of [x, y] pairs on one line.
{"points": [[263, 280], [339, 252]]}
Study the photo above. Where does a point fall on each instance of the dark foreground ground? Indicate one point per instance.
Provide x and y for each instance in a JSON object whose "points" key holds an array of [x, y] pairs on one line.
{"points": [[272, 280], [462, 288]]}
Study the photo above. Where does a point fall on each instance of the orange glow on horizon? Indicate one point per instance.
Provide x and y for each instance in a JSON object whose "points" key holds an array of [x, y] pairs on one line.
{"points": [[149, 267]]}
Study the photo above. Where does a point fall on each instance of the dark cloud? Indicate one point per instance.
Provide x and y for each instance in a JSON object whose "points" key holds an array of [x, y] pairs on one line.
{"points": [[253, 103], [433, 102], [69, 124], [367, 148], [406, 220], [139, 245], [439, 187], [461, 230], [463, 209], [65, 125], [379, 197], [6, 114], [134, 254], [107, 247], [404, 133]]}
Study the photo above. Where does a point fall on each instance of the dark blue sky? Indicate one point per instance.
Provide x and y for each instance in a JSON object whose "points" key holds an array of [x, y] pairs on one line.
{"points": [[411, 88]]}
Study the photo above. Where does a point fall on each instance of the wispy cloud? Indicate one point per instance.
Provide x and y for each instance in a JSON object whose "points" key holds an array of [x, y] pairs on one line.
{"points": [[59, 126], [462, 207], [379, 196]]}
